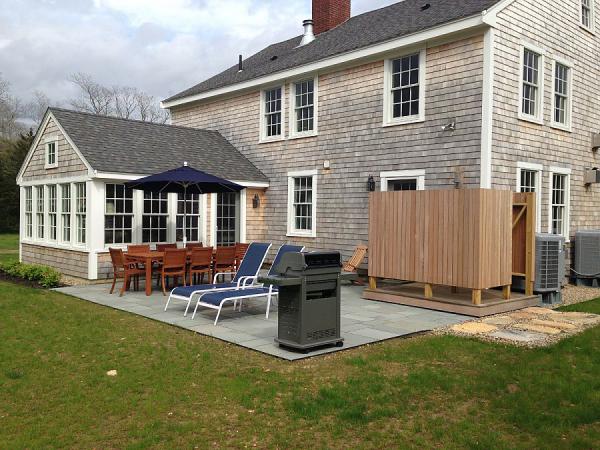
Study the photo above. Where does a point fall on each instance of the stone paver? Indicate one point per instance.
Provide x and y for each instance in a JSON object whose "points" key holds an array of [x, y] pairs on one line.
{"points": [[526, 337], [498, 320], [537, 328], [363, 322], [474, 328], [554, 324]]}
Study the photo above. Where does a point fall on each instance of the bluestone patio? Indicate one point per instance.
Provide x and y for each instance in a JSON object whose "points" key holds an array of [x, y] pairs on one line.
{"points": [[363, 322]]}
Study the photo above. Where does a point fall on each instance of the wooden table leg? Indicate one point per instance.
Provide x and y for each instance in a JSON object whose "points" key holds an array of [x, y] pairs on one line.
{"points": [[148, 276]]}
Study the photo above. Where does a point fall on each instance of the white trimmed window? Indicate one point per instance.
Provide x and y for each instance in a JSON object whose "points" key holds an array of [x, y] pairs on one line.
{"points": [[532, 81], [51, 153], [65, 196], [28, 211], [404, 89], [529, 179], [559, 202], [403, 180], [587, 14], [80, 212], [272, 114], [561, 102], [118, 214], [52, 213], [155, 217], [192, 208], [39, 190], [303, 120], [302, 203]]}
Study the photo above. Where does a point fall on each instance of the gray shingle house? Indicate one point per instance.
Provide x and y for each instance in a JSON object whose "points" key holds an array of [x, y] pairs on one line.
{"points": [[418, 95]]}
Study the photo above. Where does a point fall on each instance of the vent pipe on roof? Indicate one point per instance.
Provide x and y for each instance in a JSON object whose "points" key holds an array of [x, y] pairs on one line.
{"points": [[309, 35], [241, 64]]}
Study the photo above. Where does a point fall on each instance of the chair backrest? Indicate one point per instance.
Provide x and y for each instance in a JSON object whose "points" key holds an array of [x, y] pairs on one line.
{"points": [[175, 257], [225, 256], [163, 247], [201, 256], [253, 260], [285, 248], [193, 245], [116, 257], [240, 250], [138, 248], [356, 259]]}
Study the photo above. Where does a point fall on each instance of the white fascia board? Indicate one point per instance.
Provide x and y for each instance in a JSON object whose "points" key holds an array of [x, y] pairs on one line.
{"points": [[251, 184], [118, 176], [349, 57]]}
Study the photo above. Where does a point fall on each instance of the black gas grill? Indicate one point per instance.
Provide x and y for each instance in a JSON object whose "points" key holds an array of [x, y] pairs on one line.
{"points": [[309, 299]]}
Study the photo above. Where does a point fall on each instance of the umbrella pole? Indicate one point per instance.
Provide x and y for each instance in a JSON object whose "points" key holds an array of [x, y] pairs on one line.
{"points": [[184, 216]]}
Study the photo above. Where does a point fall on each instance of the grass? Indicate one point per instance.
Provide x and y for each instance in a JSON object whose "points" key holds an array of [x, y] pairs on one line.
{"points": [[9, 247], [175, 389]]}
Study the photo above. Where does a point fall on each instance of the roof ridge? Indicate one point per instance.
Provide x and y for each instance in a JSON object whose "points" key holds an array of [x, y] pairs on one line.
{"points": [[145, 122]]}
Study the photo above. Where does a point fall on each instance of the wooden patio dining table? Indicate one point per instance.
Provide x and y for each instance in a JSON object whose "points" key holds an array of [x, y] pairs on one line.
{"points": [[151, 257]]}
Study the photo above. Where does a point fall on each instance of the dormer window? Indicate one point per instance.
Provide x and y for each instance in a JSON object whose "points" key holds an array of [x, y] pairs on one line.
{"points": [[587, 14], [51, 153]]}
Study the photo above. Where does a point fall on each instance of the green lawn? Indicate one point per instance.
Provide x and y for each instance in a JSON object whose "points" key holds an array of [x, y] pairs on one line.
{"points": [[175, 389], [9, 247]]}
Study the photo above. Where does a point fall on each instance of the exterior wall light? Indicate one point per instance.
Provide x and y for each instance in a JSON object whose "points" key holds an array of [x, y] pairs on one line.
{"points": [[371, 184], [255, 201]]}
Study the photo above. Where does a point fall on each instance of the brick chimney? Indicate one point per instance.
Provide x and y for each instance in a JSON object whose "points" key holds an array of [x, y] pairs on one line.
{"points": [[328, 14]]}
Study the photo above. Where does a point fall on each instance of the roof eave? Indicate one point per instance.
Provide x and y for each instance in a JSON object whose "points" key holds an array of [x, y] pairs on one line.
{"points": [[100, 175], [459, 26]]}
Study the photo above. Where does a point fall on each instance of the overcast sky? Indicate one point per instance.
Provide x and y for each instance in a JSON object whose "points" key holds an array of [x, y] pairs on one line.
{"points": [[159, 46]]}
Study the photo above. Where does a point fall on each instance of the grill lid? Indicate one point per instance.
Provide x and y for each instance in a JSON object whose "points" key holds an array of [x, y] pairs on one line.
{"points": [[308, 261]]}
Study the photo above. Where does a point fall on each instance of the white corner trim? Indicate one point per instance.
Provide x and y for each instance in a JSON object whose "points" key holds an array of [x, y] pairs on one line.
{"points": [[348, 57], [243, 207], [487, 109]]}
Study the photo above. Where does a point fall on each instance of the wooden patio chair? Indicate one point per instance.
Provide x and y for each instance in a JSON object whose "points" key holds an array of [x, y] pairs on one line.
{"points": [[163, 247], [200, 263], [240, 252], [143, 248], [174, 264], [124, 268], [193, 245], [224, 259], [356, 260]]}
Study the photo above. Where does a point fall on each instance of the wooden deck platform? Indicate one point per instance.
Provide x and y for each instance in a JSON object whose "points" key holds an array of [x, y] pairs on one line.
{"points": [[459, 302]]}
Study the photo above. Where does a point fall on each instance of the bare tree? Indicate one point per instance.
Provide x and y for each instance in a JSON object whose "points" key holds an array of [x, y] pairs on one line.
{"points": [[93, 97], [11, 110], [119, 101], [37, 107]]}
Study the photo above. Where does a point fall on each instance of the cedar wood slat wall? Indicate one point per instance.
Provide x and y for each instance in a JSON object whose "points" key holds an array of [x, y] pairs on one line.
{"points": [[460, 238]]}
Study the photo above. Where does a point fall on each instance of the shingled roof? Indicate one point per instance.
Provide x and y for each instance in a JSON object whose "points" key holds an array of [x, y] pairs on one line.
{"points": [[114, 145], [397, 20]]}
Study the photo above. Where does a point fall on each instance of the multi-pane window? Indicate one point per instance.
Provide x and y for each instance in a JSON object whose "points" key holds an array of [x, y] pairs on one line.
{"points": [[155, 217], [405, 86], [528, 181], [191, 206], [559, 203], [65, 196], [52, 212], [561, 94], [302, 204], [118, 214], [227, 221], [531, 83], [28, 212], [273, 108], [405, 184], [304, 106], [587, 13], [51, 153], [80, 212], [40, 211]]}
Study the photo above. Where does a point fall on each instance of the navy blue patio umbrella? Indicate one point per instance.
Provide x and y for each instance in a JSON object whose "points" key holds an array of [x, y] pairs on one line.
{"points": [[184, 180]]}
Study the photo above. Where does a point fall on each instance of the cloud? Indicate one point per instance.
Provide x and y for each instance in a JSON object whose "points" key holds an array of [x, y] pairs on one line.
{"points": [[160, 46]]}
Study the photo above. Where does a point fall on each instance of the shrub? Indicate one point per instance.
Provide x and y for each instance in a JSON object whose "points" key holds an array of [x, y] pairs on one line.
{"points": [[45, 276]]}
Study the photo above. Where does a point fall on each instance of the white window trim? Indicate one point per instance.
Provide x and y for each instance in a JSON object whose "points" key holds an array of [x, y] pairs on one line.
{"points": [[569, 125], [567, 218], [51, 140], [592, 28], [263, 123], [419, 175], [388, 119], [293, 134], [539, 117], [539, 168], [291, 231]]}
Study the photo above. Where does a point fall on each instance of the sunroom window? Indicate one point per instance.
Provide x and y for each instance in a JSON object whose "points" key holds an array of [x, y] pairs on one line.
{"points": [[118, 215]]}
